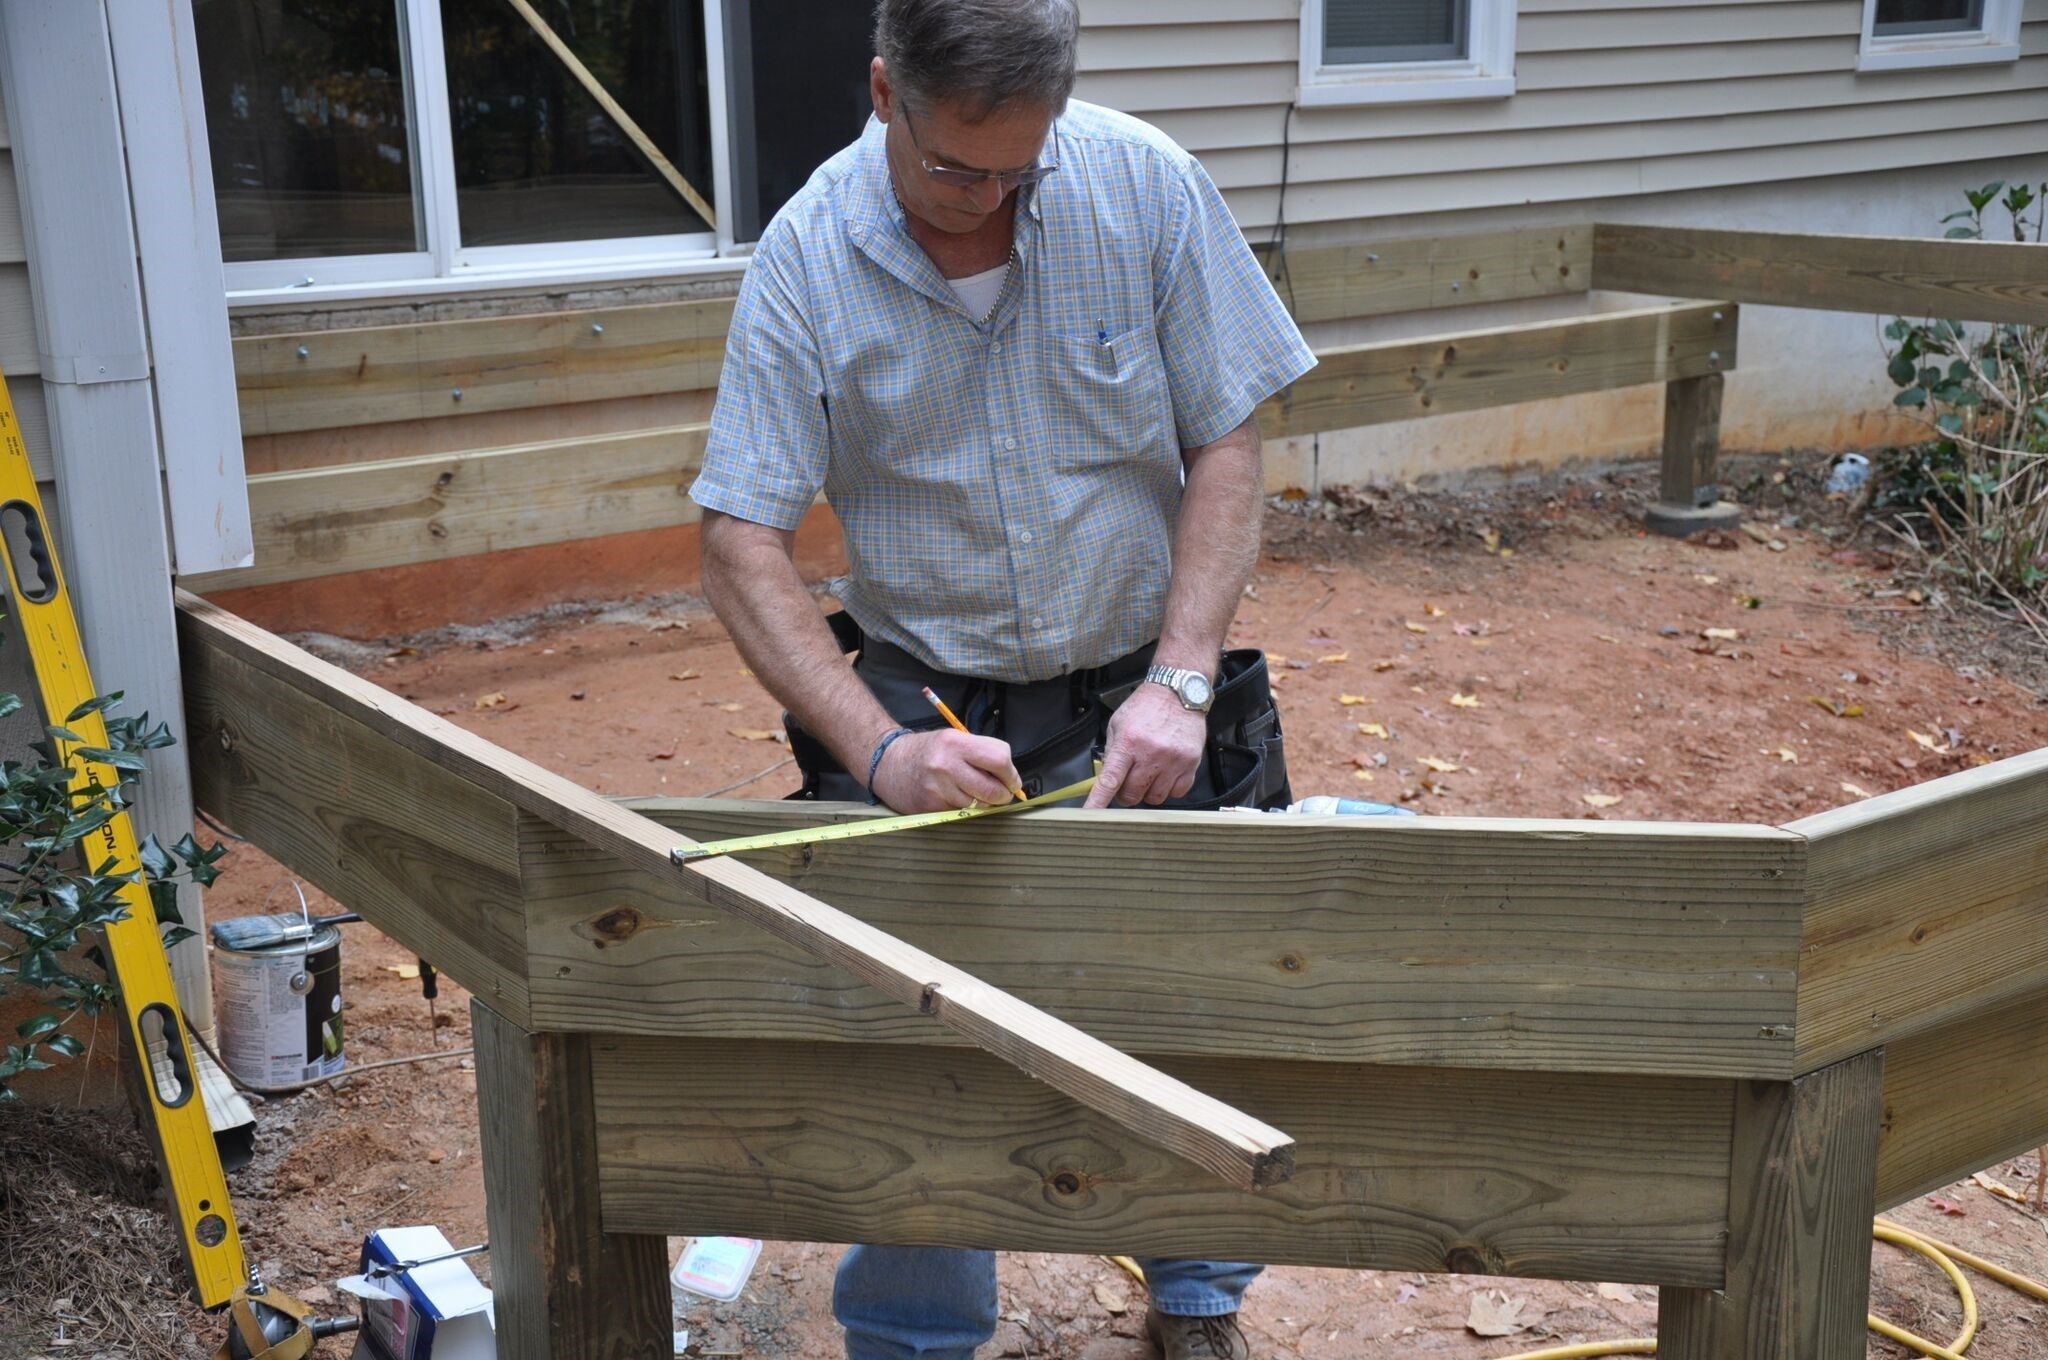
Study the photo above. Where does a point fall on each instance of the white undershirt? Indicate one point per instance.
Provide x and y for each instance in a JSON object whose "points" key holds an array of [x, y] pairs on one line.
{"points": [[978, 292]]}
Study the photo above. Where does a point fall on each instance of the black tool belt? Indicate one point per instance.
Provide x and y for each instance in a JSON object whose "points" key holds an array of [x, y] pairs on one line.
{"points": [[1056, 728]]}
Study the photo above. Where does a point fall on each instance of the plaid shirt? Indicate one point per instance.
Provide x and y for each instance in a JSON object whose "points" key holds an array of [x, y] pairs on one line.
{"points": [[1008, 491]]}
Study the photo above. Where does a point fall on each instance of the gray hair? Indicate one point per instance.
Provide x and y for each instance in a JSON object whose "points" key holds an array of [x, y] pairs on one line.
{"points": [[979, 54]]}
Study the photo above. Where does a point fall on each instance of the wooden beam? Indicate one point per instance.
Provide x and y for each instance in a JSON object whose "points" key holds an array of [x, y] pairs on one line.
{"points": [[370, 375], [1214, 1136], [1884, 275], [1692, 439], [1408, 379], [565, 1289], [1965, 1095], [1923, 905], [1574, 946], [1799, 1209], [359, 516], [1498, 1173], [426, 857], [1413, 274]]}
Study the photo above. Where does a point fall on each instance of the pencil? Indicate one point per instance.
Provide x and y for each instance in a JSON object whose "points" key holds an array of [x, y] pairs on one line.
{"points": [[958, 726]]}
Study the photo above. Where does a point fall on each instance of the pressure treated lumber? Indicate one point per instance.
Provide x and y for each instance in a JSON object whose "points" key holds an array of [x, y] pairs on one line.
{"points": [[428, 858], [1963, 1096], [359, 516], [1576, 1177], [1692, 439], [1924, 905], [1527, 944], [1799, 1210], [1884, 275], [565, 1289], [1225, 1141], [1379, 278], [1357, 385], [373, 374]]}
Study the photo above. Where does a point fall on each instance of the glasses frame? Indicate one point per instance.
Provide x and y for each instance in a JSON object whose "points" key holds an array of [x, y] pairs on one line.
{"points": [[955, 178]]}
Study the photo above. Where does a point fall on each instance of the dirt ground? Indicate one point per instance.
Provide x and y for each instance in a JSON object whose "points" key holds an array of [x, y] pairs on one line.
{"points": [[1523, 653]]}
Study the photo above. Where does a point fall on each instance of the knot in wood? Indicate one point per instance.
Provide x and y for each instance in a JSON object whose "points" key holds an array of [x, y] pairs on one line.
{"points": [[616, 926], [1470, 1258], [1291, 963], [1066, 1183]]}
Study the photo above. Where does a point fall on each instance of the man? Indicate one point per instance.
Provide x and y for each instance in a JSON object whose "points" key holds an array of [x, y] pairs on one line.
{"points": [[1018, 343]]}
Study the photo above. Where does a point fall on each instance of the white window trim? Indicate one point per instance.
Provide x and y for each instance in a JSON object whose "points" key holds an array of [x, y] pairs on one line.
{"points": [[1998, 40], [1489, 73], [446, 266]]}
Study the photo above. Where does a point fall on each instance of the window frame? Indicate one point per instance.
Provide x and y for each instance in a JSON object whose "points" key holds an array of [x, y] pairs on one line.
{"points": [[1488, 72], [1998, 40], [448, 266]]}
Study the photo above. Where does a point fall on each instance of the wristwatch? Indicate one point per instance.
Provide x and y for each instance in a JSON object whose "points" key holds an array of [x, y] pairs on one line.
{"points": [[1192, 687]]}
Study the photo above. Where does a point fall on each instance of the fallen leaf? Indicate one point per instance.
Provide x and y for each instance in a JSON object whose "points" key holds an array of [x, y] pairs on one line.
{"points": [[1602, 637], [1414, 627], [1750, 601], [1111, 1300], [1706, 580], [687, 675], [729, 707], [1929, 742], [666, 625], [1373, 729], [1405, 1293], [1416, 689], [1440, 766], [1856, 790], [1352, 700], [1363, 776], [1384, 665], [1496, 1314], [1620, 1293], [1275, 659], [578, 694], [1916, 596], [1464, 701], [1947, 1206], [1837, 706], [1788, 755], [1434, 611], [1600, 800], [1756, 531], [669, 754], [408, 971], [1721, 634], [1491, 537], [754, 734], [1999, 1188], [1333, 659], [492, 700]]}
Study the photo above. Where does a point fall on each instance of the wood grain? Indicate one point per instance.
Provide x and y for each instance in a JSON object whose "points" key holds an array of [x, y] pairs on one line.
{"points": [[426, 857], [1692, 439], [1407, 379], [1578, 1177], [564, 1288], [368, 375], [1225, 1141], [1543, 945], [1799, 1210], [1923, 905], [359, 516], [1379, 278], [1884, 275], [1963, 1096]]}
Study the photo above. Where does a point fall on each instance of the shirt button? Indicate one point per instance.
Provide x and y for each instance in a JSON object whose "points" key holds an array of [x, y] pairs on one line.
{"points": [[997, 347], [1010, 444], [1024, 537], [1037, 622]]}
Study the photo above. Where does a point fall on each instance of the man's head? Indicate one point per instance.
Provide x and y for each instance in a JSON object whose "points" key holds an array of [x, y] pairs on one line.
{"points": [[968, 85]]}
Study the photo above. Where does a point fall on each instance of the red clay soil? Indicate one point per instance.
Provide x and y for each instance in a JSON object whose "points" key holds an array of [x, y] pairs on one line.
{"points": [[1574, 672]]}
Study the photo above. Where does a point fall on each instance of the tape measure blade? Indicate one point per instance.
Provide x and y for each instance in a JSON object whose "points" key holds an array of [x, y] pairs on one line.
{"points": [[877, 826]]}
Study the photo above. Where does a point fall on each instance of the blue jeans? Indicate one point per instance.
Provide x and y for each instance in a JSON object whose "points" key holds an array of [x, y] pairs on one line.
{"points": [[939, 1303]]}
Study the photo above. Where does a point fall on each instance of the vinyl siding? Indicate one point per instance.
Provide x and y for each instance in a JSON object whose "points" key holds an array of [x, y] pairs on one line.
{"points": [[20, 354], [1613, 99]]}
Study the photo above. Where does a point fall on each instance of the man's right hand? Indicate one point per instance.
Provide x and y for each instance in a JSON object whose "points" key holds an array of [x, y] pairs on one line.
{"points": [[935, 771]]}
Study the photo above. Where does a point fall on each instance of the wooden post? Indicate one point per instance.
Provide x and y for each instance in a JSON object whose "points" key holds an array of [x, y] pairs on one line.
{"points": [[1689, 497], [1800, 1200], [566, 1289]]}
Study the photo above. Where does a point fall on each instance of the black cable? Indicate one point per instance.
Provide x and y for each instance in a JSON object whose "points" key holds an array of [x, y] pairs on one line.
{"points": [[1276, 242]]}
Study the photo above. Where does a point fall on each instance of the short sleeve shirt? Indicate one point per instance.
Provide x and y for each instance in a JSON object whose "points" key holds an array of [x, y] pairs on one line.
{"points": [[1008, 487]]}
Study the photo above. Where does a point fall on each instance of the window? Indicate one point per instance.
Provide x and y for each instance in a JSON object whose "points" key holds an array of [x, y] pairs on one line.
{"points": [[387, 142], [1371, 51], [1905, 34]]}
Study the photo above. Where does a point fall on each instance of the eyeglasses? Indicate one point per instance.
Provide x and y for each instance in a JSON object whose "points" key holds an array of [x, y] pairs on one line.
{"points": [[954, 178]]}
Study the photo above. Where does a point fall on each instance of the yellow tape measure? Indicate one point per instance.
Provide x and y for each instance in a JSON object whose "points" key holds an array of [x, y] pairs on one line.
{"points": [[846, 831]]}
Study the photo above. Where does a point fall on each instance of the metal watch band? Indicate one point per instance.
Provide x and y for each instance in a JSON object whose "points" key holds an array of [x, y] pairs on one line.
{"points": [[1176, 679]]}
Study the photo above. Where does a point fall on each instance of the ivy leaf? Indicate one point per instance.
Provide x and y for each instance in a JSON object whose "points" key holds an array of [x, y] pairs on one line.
{"points": [[1912, 396], [66, 1044], [99, 705]]}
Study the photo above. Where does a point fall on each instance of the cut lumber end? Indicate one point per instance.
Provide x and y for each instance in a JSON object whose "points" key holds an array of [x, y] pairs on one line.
{"points": [[1273, 1168]]}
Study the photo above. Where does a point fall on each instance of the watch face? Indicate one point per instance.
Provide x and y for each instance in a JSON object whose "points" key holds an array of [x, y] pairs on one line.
{"points": [[1196, 690]]}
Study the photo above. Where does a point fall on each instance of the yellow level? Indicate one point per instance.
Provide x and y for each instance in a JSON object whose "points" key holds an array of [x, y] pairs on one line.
{"points": [[186, 1155], [874, 826]]}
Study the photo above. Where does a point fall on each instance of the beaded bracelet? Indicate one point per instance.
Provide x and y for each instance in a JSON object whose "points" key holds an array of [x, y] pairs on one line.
{"points": [[875, 761]]}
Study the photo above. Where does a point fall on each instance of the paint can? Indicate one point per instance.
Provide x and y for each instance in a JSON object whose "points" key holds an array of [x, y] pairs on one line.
{"points": [[279, 1009]]}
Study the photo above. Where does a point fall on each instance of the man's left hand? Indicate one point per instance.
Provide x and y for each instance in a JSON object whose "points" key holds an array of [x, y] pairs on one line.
{"points": [[1154, 749]]}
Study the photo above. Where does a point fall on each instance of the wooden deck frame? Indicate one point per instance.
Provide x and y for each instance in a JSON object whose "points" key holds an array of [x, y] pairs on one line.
{"points": [[1504, 1138]]}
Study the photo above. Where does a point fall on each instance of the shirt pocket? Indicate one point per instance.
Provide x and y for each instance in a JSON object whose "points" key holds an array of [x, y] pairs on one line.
{"points": [[1111, 397]]}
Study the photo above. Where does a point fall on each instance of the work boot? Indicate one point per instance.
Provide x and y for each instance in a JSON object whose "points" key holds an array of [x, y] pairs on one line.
{"points": [[1197, 1338]]}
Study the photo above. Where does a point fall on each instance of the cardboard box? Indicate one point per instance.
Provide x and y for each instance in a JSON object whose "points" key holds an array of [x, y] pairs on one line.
{"points": [[433, 1312]]}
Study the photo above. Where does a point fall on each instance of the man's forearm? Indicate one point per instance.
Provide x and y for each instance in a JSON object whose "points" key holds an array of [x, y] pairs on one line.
{"points": [[1215, 547], [753, 585]]}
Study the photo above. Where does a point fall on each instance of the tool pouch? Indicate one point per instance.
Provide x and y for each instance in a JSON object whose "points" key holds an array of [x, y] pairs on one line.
{"points": [[1246, 762]]}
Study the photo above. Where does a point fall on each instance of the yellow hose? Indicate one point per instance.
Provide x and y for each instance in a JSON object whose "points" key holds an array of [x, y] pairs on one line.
{"points": [[1935, 1250]]}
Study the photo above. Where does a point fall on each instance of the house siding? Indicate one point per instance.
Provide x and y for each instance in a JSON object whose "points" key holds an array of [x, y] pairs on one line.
{"points": [[1612, 100]]}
